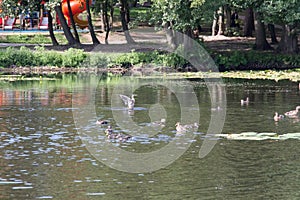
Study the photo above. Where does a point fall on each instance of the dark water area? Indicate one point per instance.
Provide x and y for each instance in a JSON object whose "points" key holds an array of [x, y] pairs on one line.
{"points": [[52, 148]]}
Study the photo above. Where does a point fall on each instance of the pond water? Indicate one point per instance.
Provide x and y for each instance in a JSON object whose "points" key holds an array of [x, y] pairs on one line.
{"points": [[51, 147]]}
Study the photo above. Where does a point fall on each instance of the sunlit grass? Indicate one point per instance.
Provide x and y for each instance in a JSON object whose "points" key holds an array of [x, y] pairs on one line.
{"points": [[25, 38]]}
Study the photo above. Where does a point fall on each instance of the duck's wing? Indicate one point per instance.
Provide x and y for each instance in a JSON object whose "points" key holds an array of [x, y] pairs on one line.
{"points": [[125, 99]]}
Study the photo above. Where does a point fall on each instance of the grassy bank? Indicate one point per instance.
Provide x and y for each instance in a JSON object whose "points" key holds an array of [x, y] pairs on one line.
{"points": [[77, 58]]}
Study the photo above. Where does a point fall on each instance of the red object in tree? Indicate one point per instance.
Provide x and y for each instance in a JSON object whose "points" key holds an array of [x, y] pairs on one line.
{"points": [[77, 6]]}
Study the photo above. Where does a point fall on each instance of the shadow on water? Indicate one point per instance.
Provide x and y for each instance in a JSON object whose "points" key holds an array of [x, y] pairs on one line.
{"points": [[43, 157]]}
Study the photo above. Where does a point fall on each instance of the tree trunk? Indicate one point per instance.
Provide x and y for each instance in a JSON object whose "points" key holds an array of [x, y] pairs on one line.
{"points": [[260, 32], [50, 26], [73, 22], [170, 36], [111, 16], [220, 21], [70, 38], [214, 24], [90, 24], [227, 17], [248, 23], [124, 23], [271, 28], [289, 40], [188, 39], [105, 9], [127, 11], [103, 17]]}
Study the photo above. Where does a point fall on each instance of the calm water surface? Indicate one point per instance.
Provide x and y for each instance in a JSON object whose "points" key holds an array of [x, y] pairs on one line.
{"points": [[42, 156]]}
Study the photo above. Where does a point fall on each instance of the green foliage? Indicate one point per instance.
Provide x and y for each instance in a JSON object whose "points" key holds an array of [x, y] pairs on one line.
{"points": [[177, 11], [26, 57], [47, 58], [171, 60], [130, 59], [31, 39], [22, 57], [231, 60], [96, 60], [281, 11], [255, 60], [153, 57], [73, 57], [14, 7], [77, 58]]}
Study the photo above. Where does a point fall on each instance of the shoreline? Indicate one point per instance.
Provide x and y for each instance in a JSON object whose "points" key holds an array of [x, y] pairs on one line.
{"points": [[20, 73]]}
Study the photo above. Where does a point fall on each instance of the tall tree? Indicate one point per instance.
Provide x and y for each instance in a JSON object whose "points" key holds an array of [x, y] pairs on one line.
{"points": [[271, 28], [106, 6], [123, 13], [90, 23], [177, 16], [248, 23], [227, 12], [260, 31], [221, 20], [214, 24], [67, 32], [289, 39], [73, 22], [285, 13], [51, 32]]}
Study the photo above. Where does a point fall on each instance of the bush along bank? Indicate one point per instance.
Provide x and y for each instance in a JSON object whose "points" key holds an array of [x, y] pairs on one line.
{"points": [[255, 60], [75, 58]]}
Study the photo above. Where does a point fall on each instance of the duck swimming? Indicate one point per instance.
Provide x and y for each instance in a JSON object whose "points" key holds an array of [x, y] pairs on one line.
{"points": [[293, 113], [180, 128], [162, 122], [245, 102], [123, 138], [184, 128], [109, 133], [278, 117], [101, 122], [129, 102]]}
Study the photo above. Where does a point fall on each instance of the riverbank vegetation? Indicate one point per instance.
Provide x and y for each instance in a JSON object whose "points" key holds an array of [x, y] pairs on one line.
{"points": [[225, 61], [39, 61]]}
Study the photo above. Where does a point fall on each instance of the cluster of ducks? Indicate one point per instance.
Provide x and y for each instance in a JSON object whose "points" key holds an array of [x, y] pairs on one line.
{"points": [[116, 136], [290, 114], [129, 102], [109, 132], [277, 117]]}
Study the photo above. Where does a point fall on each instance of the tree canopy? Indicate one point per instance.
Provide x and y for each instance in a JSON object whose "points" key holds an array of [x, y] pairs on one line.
{"points": [[186, 16]]}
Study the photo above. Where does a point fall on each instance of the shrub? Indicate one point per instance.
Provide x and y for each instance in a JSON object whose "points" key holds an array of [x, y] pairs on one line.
{"points": [[73, 57], [96, 61], [47, 58]]}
